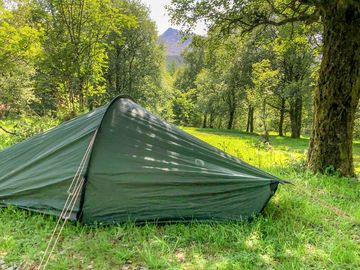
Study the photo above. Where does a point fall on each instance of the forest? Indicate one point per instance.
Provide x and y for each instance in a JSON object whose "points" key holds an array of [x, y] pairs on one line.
{"points": [[278, 79]]}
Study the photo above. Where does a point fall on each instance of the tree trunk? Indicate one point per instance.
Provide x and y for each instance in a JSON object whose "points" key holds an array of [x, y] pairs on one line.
{"points": [[231, 117], [250, 120], [212, 118], [282, 116], [231, 102], [81, 98], [204, 120], [337, 93], [118, 71], [265, 135], [220, 123], [295, 116]]}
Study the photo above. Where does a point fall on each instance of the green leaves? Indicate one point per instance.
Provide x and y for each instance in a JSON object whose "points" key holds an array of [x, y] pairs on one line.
{"points": [[69, 56], [76, 59], [20, 46], [135, 58], [19, 41]]}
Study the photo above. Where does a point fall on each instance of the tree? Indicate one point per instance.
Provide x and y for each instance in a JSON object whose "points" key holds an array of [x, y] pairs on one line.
{"points": [[208, 96], [183, 107], [194, 61], [255, 49], [20, 45], [75, 49], [338, 88], [295, 57], [265, 78], [226, 68], [185, 82], [135, 57]]}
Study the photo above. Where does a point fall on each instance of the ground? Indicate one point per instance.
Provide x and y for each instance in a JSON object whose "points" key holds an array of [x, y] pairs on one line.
{"points": [[313, 224]]}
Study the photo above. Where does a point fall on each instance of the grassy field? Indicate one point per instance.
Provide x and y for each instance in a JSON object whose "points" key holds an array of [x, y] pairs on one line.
{"points": [[313, 224]]}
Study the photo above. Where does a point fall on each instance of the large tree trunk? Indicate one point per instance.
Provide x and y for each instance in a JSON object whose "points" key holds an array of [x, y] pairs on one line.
{"points": [[282, 116], [295, 116], [337, 93]]}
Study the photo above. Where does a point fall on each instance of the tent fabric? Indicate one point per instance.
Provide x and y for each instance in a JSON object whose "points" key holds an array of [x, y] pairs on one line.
{"points": [[141, 169], [36, 173]]}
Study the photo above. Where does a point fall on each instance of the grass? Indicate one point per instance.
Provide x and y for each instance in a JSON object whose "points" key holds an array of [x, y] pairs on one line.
{"points": [[311, 225]]}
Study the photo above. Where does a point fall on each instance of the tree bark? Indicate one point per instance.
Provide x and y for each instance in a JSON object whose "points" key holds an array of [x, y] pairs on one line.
{"points": [[337, 94], [282, 116], [295, 116]]}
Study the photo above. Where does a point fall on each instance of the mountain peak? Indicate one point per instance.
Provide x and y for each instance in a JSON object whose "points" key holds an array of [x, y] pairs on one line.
{"points": [[173, 42], [171, 31]]}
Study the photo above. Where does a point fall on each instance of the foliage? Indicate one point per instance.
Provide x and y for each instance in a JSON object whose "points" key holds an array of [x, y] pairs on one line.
{"points": [[265, 79], [20, 43], [136, 60], [75, 58], [23, 128], [183, 107], [64, 57], [227, 88]]}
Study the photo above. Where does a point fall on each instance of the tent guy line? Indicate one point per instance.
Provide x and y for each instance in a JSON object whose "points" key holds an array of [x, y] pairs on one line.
{"points": [[73, 192]]}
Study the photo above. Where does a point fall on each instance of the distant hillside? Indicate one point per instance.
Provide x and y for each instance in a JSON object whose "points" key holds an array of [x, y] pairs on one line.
{"points": [[174, 45]]}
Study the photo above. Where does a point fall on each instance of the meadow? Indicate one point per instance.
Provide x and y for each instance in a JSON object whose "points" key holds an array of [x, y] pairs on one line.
{"points": [[312, 224]]}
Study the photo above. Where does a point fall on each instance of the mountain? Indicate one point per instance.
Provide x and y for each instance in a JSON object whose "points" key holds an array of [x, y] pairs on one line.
{"points": [[174, 45]]}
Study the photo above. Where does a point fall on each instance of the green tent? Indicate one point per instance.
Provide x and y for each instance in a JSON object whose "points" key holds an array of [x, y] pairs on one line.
{"points": [[133, 166]]}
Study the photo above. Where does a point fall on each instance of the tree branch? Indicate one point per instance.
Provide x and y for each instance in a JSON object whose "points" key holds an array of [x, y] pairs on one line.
{"points": [[250, 21], [261, 19], [7, 131], [277, 108]]}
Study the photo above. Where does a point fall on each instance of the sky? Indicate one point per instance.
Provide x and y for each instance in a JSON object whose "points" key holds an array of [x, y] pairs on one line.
{"points": [[160, 16]]}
